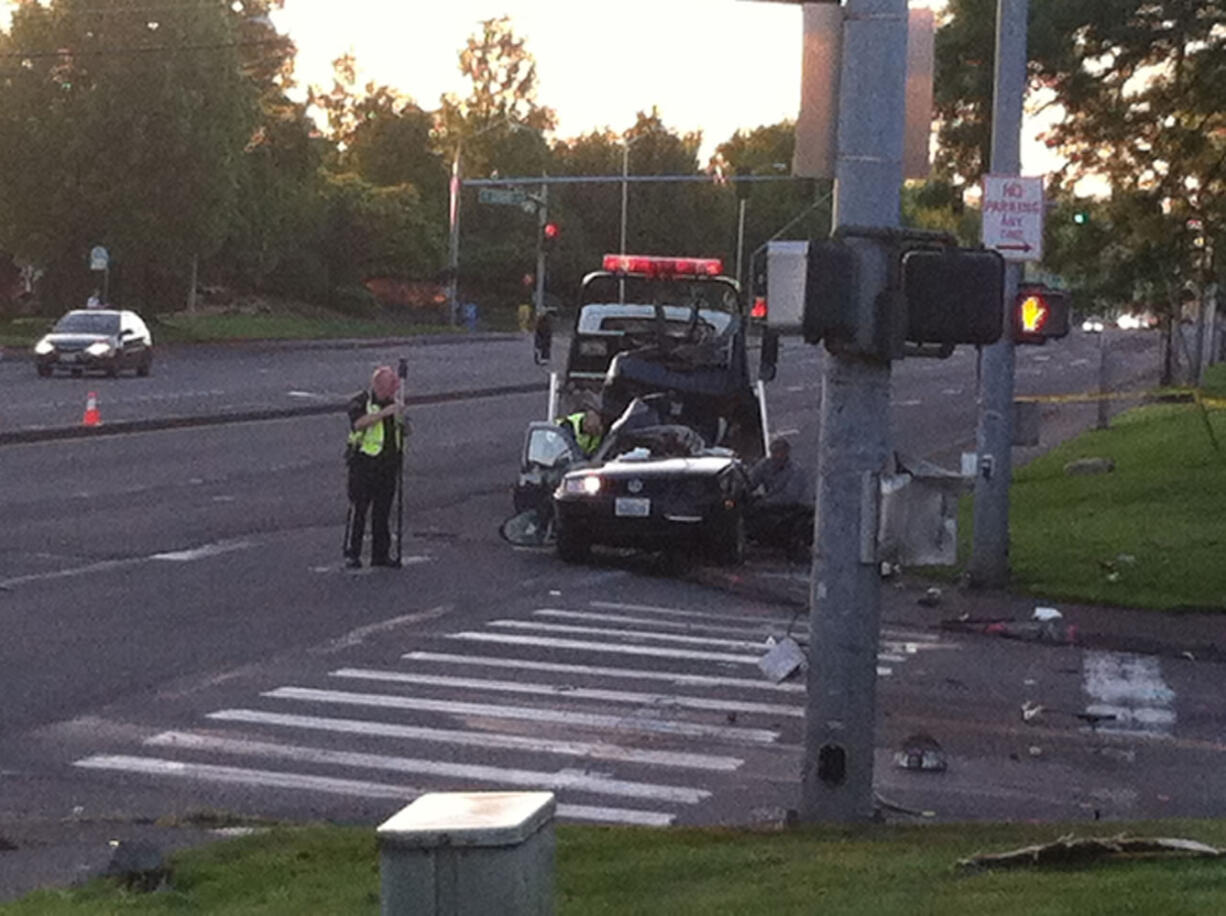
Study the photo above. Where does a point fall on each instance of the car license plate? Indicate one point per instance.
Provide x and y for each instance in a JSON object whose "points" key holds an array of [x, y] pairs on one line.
{"points": [[632, 507], [68, 357]]}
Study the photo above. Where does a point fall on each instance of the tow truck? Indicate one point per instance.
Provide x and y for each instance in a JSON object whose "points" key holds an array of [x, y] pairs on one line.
{"points": [[660, 348]]}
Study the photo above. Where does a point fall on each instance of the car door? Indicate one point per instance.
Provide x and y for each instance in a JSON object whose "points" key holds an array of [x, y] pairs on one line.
{"points": [[548, 451]]}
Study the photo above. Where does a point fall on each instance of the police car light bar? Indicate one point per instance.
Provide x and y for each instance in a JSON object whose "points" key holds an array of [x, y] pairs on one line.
{"points": [[654, 266]]}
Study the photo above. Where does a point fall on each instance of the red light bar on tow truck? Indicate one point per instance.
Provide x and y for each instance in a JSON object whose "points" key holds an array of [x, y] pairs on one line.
{"points": [[654, 266]]}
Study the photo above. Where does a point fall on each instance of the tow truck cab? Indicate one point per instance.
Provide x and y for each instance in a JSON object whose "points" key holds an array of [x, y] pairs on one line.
{"points": [[674, 325]]}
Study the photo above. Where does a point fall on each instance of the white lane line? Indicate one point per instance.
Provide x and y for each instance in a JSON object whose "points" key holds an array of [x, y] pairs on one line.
{"points": [[673, 677], [756, 646], [569, 692], [269, 779], [787, 432], [795, 388], [911, 403], [511, 639], [200, 553], [630, 722], [485, 740], [561, 780]]}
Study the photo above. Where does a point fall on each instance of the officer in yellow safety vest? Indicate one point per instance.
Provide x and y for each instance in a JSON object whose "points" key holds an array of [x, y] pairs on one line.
{"points": [[588, 428], [376, 442]]}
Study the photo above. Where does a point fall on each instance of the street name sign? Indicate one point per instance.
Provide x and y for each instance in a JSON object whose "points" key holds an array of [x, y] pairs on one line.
{"points": [[1013, 216], [507, 196]]}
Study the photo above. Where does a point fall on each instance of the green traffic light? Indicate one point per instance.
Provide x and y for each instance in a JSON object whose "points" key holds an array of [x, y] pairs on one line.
{"points": [[1081, 217]]}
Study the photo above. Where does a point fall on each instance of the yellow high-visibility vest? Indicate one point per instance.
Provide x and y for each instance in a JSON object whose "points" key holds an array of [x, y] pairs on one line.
{"points": [[369, 441]]}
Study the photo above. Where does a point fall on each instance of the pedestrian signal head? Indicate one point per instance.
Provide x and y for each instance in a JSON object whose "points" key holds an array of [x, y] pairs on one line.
{"points": [[1039, 313], [549, 236]]}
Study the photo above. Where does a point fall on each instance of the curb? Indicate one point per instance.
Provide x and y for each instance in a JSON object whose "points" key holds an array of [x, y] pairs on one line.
{"points": [[1085, 624], [121, 427]]}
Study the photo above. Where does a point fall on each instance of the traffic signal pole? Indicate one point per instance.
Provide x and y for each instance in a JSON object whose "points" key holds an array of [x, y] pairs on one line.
{"points": [[989, 566], [845, 596]]}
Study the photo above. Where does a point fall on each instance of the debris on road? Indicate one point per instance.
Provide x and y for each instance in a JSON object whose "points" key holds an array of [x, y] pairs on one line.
{"points": [[1050, 631], [1031, 711], [930, 598], [888, 805], [1085, 466], [1046, 614], [783, 659], [1035, 751], [1071, 850], [921, 751]]}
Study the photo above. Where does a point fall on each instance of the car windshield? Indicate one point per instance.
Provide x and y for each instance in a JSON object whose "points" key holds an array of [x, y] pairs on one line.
{"points": [[86, 323]]}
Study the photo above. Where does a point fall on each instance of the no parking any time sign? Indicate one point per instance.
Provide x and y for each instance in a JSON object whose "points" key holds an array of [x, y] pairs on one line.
{"points": [[1013, 216]]}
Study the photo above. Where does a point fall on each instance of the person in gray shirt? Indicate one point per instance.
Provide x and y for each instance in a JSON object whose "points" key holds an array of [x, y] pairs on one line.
{"points": [[775, 480]]}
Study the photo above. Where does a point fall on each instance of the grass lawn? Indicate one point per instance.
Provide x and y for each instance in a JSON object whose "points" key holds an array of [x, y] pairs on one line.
{"points": [[878, 871], [1150, 534]]}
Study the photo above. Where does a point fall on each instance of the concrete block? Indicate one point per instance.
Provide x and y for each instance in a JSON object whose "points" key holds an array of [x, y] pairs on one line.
{"points": [[469, 854]]}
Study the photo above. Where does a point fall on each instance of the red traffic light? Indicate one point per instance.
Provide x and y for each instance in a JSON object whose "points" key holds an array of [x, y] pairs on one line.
{"points": [[1039, 313], [550, 231]]}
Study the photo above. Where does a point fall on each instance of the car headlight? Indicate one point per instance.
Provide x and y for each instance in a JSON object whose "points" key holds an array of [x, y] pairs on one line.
{"points": [[99, 349], [585, 485], [43, 347]]}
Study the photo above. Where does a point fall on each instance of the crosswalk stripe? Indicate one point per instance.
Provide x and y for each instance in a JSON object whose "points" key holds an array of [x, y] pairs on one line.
{"points": [[630, 722], [801, 627], [761, 631], [757, 646], [485, 740], [350, 787], [674, 677], [510, 639], [569, 692], [566, 779], [760, 647]]}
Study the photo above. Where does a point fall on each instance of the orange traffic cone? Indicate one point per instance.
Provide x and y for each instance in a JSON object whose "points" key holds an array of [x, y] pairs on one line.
{"points": [[92, 416]]}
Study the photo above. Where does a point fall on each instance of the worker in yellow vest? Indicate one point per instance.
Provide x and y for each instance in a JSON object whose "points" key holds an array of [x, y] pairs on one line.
{"points": [[376, 441], [587, 426]]}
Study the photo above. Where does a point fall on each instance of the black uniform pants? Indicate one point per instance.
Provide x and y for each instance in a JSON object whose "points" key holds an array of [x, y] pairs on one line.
{"points": [[372, 487]]}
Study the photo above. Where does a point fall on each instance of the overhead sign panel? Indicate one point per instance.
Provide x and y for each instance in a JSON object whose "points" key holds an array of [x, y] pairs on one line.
{"points": [[1013, 216]]}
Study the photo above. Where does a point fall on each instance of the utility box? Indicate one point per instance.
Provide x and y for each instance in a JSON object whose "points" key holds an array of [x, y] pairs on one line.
{"points": [[787, 266], [918, 523], [469, 854]]}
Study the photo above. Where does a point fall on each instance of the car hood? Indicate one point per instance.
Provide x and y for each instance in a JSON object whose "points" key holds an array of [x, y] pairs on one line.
{"points": [[78, 340], [701, 465]]}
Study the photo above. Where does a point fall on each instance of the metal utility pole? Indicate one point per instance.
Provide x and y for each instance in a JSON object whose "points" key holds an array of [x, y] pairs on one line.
{"points": [[453, 241], [542, 217], [1104, 416], [994, 443], [845, 597]]}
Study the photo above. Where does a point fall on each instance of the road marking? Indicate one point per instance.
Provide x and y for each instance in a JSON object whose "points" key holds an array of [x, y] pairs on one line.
{"points": [[787, 432], [561, 780], [795, 388], [510, 639], [486, 740], [647, 621], [674, 677], [571, 692], [350, 787], [756, 646], [358, 636], [203, 552], [630, 722], [911, 403], [1132, 690]]}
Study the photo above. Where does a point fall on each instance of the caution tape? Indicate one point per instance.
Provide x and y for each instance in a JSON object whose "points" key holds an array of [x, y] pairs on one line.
{"points": [[1176, 396]]}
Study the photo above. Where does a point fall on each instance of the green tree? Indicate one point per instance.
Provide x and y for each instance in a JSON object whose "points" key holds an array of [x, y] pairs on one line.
{"points": [[121, 125]]}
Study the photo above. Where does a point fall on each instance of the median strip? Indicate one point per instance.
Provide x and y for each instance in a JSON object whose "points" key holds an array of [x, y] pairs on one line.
{"points": [[153, 424]]}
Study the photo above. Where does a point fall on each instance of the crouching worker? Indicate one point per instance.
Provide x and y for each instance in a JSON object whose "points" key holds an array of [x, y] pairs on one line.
{"points": [[587, 426], [376, 441], [781, 509]]}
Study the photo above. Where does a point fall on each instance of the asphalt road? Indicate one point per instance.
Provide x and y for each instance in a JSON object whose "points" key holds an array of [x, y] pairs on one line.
{"points": [[176, 618]]}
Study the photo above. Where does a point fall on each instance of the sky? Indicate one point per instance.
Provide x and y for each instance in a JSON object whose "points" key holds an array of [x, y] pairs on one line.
{"points": [[708, 65]]}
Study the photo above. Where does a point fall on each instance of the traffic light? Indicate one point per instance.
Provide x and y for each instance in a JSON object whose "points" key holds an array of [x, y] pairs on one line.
{"points": [[1081, 217], [549, 236], [1039, 314]]}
